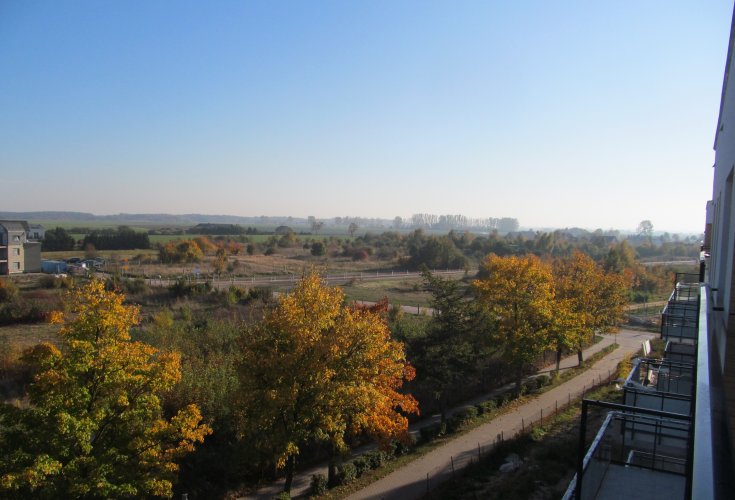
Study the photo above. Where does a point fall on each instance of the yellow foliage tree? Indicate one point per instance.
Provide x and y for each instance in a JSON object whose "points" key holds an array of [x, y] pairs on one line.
{"points": [[95, 426], [315, 370], [518, 293], [592, 300]]}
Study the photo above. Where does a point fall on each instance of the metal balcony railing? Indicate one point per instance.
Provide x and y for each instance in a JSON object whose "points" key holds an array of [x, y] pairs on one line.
{"points": [[680, 316], [662, 376], [686, 353], [631, 439], [670, 438]]}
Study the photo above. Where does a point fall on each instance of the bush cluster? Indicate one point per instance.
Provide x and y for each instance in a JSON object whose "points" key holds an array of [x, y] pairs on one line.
{"points": [[181, 288], [20, 311], [349, 471], [50, 281], [8, 291], [318, 484]]}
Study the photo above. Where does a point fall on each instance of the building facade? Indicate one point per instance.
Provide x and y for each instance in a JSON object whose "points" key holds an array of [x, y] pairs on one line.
{"points": [[673, 437], [18, 254]]}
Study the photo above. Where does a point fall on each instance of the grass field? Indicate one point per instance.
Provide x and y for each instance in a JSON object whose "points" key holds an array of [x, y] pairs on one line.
{"points": [[104, 254], [405, 291], [69, 224], [22, 336]]}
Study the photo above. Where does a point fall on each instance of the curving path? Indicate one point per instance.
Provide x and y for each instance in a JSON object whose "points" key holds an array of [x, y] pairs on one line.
{"points": [[411, 480], [425, 473]]}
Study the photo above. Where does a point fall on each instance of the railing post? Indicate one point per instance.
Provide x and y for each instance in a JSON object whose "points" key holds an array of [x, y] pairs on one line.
{"points": [[580, 449]]}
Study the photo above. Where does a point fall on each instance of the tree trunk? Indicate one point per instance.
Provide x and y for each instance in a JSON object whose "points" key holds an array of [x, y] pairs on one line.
{"points": [[290, 463], [558, 360], [332, 473], [332, 469], [519, 381], [580, 356], [442, 410]]}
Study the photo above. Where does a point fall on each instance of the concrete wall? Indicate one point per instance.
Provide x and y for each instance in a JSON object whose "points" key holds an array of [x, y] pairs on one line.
{"points": [[32, 257], [723, 235], [16, 255]]}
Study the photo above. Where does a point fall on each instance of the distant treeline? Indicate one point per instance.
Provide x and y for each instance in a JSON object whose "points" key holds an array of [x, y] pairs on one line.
{"points": [[426, 221], [122, 238], [502, 225], [224, 229]]}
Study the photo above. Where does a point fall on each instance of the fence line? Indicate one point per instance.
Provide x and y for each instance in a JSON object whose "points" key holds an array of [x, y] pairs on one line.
{"points": [[458, 463]]}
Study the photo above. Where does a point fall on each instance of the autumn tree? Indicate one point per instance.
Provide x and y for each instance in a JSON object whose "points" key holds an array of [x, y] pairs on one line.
{"points": [[180, 251], [94, 427], [565, 329], [315, 370], [220, 260], [518, 294], [588, 298], [206, 245]]}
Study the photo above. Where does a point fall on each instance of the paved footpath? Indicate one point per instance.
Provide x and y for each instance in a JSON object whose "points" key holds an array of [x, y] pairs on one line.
{"points": [[410, 481], [417, 477]]}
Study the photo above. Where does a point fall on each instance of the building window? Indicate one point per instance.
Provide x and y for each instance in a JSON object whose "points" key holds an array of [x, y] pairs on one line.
{"points": [[16, 252], [16, 265], [16, 238]]}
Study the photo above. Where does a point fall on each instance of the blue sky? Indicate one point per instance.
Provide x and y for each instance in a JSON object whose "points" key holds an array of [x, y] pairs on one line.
{"points": [[569, 113]]}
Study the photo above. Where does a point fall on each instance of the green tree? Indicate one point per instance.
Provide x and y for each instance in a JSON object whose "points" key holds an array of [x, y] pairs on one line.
{"points": [[454, 340], [518, 293], [435, 252], [645, 229], [57, 240], [620, 257], [318, 249], [94, 427]]}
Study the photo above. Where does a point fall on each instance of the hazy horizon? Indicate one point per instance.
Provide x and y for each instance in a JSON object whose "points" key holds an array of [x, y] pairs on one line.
{"points": [[590, 115], [200, 217]]}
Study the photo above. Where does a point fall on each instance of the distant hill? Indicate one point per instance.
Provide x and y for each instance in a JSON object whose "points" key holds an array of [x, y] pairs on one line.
{"points": [[441, 223], [180, 219]]}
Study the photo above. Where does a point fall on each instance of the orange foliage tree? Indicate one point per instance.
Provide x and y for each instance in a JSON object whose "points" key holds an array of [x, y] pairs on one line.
{"points": [[95, 427], [315, 370]]}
